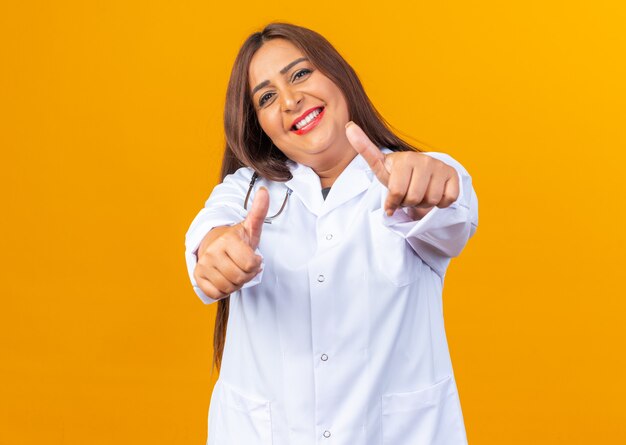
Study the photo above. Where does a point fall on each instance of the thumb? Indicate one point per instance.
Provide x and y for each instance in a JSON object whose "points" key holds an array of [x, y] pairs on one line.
{"points": [[366, 148], [253, 224]]}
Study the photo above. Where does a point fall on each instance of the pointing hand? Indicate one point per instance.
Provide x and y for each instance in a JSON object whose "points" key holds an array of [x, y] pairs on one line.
{"points": [[226, 257], [413, 179]]}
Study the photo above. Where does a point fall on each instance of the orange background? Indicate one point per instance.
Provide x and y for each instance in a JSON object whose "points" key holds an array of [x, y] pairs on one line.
{"points": [[111, 140]]}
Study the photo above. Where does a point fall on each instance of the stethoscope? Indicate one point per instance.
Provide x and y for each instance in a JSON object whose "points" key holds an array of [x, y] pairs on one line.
{"points": [[269, 219]]}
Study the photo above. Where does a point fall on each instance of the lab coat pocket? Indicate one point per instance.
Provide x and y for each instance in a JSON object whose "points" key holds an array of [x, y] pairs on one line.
{"points": [[394, 256], [430, 416], [241, 419]]}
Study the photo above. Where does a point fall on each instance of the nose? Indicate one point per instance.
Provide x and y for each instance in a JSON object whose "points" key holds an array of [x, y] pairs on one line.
{"points": [[291, 98]]}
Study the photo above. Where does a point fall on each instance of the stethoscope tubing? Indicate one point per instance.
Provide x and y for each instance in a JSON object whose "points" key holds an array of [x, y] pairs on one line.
{"points": [[269, 219]]}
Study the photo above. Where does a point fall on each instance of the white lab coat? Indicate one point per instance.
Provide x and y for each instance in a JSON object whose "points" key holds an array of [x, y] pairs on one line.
{"points": [[340, 340]]}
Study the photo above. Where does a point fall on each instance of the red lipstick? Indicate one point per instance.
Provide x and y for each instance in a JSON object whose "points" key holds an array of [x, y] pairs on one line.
{"points": [[308, 127]]}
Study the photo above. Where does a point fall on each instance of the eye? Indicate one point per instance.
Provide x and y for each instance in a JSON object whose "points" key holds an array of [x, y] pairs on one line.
{"points": [[301, 73], [264, 98]]}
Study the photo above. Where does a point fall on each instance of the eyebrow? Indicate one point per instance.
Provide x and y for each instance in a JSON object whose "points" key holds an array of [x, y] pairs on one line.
{"points": [[283, 71]]}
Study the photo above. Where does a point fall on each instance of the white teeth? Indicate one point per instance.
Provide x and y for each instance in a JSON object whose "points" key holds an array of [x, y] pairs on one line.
{"points": [[312, 115]]}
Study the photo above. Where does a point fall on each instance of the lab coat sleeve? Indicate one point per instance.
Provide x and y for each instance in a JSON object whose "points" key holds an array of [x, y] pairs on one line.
{"points": [[442, 233], [223, 208]]}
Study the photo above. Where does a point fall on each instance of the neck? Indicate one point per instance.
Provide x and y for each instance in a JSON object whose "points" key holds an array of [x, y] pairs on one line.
{"points": [[329, 173]]}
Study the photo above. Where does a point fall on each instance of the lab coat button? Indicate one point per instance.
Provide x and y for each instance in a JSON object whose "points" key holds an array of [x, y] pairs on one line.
{"points": [[324, 357], [329, 236], [321, 278], [327, 434]]}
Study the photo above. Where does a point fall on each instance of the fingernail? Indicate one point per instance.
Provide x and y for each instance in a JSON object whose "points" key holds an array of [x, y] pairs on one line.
{"points": [[349, 123]]}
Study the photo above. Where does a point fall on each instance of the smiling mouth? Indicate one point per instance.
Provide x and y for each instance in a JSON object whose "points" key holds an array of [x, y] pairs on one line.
{"points": [[309, 122]]}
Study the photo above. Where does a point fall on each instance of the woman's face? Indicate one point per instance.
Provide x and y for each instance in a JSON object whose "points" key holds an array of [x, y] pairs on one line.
{"points": [[302, 111]]}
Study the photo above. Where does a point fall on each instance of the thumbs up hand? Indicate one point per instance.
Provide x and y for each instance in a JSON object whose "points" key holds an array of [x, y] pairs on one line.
{"points": [[413, 179], [253, 224], [226, 257]]}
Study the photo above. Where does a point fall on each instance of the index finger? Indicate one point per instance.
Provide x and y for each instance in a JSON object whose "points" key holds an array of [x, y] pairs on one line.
{"points": [[243, 256], [366, 148]]}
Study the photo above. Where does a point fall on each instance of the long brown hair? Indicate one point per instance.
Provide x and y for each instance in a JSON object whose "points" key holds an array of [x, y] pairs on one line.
{"points": [[247, 144]]}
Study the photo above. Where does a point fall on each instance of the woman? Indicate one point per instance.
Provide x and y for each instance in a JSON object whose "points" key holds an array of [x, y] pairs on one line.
{"points": [[335, 324]]}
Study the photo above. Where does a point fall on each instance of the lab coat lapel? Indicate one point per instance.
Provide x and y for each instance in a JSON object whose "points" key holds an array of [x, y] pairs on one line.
{"points": [[307, 187], [354, 180]]}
